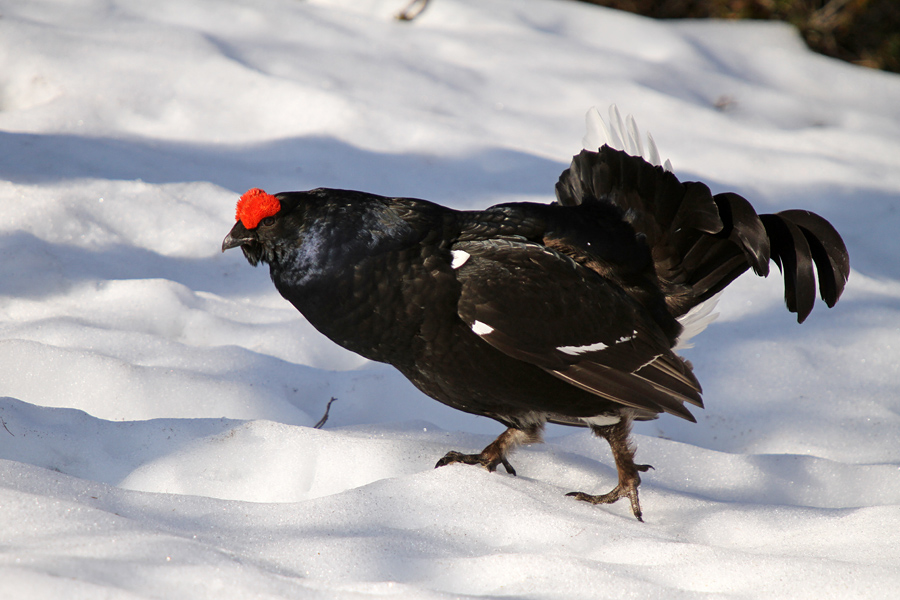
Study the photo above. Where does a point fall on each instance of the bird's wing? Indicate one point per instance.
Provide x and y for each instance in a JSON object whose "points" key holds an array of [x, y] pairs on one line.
{"points": [[539, 306]]}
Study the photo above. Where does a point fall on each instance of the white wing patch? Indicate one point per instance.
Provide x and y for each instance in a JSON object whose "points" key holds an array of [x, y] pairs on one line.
{"points": [[481, 328], [576, 350], [459, 258]]}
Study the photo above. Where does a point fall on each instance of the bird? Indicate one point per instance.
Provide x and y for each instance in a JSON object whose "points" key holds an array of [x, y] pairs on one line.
{"points": [[568, 312]]}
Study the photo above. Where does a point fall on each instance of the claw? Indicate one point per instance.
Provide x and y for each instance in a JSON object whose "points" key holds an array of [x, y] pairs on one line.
{"points": [[629, 479], [618, 492], [475, 459], [496, 451]]}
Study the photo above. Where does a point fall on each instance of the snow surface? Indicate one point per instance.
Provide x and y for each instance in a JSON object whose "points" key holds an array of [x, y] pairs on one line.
{"points": [[158, 396]]}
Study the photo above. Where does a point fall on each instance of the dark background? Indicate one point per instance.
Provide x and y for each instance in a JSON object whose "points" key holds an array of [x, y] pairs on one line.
{"points": [[863, 32]]}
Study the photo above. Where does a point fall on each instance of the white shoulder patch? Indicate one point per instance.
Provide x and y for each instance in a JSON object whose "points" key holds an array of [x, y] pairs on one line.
{"points": [[481, 328], [459, 258]]}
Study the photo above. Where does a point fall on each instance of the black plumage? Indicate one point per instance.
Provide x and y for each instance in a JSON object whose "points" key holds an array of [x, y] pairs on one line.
{"points": [[530, 313]]}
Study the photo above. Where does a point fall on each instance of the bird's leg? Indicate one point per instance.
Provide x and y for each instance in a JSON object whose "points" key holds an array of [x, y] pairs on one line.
{"points": [[629, 477], [496, 452]]}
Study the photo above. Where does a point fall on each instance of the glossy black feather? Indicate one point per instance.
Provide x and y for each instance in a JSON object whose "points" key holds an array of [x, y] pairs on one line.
{"points": [[790, 251], [828, 252], [701, 243]]}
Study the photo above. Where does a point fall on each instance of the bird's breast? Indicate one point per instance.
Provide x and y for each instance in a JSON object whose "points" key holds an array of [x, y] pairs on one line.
{"points": [[384, 306]]}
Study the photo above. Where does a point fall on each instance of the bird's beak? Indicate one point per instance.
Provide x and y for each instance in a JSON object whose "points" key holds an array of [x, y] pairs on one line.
{"points": [[238, 236]]}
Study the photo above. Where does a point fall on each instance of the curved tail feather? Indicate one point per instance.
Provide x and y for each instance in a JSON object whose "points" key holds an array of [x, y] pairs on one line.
{"points": [[700, 243], [799, 240]]}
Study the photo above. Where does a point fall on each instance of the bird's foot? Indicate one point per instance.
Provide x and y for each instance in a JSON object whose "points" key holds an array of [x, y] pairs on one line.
{"points": [[627, 488], [497, 451], [488, 461]]}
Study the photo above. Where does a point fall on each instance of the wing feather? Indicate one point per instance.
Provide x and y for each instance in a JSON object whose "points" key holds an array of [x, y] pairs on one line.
{"points": [[582, 329]]}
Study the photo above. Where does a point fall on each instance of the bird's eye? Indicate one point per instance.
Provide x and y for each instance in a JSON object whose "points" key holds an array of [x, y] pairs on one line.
{"points": [[268, 221]]}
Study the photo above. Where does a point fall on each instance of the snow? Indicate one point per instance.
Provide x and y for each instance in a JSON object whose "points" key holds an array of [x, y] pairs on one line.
{"points": [[157, 396]]}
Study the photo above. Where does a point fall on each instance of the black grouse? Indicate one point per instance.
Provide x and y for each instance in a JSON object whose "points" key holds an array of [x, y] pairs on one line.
{"points": [[532, 313]]}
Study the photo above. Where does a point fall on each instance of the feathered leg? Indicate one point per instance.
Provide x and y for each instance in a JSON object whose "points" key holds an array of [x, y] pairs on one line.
{"points": [[497, 451], [623, 454]]}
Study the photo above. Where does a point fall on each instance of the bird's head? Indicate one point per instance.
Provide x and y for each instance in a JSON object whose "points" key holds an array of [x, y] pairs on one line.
{"points": [[258, 226], [302, 235]]}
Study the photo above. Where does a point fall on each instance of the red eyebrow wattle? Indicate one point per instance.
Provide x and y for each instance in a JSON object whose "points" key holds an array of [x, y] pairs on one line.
{"points": [[256, 205]]}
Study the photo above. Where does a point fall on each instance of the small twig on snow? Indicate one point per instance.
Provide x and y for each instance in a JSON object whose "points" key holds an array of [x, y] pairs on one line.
{"points": [[324, 417], [409, 13]]}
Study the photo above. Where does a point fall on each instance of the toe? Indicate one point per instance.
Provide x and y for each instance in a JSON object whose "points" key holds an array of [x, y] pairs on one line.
{"points": [[451, 457]]}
